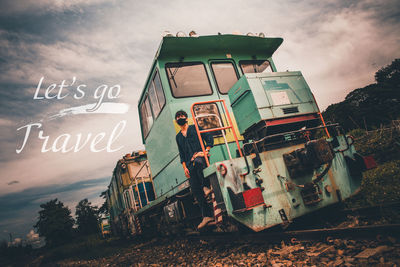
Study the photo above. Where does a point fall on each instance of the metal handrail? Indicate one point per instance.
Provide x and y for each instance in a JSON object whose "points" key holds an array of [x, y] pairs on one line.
{"points": [[290, 132], [223, 132], [199, 132]]}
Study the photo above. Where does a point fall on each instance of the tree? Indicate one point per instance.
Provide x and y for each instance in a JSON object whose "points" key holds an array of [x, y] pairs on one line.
{"points": [[389, 75], [55, 223], [104, 207], [87, 217], [372, 106]]}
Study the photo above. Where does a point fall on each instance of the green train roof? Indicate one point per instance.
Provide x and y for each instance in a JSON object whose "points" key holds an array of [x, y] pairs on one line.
{"points": [[211, 44], [214, 44]]}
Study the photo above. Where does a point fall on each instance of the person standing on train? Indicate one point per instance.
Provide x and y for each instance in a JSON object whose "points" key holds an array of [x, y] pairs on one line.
{"points": [[193, 163]]}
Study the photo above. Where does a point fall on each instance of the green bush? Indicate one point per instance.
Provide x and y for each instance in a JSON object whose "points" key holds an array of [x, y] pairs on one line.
{"points": [[9, 255], [382, 183], [383, 145], [84, 248], [357, 133]]}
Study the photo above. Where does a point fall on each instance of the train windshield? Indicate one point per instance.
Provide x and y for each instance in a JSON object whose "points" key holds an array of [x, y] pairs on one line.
{"points": [[188, 79], [255, 66], [225, 75], [208, 117]]}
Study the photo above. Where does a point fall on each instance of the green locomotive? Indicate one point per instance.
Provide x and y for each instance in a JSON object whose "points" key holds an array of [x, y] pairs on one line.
{"points": [[274, 159]]}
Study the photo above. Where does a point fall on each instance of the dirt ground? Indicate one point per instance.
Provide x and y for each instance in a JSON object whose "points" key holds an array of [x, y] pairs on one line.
{"points": [[336, 252]]}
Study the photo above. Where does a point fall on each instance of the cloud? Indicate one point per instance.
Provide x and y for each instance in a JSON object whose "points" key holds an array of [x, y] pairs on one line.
{"points": [[341, 50], [33, 238], [45, 6], [60, 61], [5, 122], [16, 242]]}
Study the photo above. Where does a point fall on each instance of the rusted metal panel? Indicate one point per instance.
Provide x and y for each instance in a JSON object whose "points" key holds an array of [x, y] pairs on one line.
{"points": [[283, 195]]}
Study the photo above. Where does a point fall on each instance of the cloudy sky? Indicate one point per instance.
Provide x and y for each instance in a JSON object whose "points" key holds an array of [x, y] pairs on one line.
{"points": [[338, 45]]}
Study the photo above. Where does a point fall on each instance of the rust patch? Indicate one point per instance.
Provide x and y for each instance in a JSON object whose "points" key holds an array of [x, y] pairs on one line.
{"points": [[333, 183]]}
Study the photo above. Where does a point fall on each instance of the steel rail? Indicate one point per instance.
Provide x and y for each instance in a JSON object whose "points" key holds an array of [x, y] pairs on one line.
{"points": [[366, 231]]}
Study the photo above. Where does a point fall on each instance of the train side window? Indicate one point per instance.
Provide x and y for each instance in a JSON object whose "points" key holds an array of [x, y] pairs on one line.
{"points": [[125, 198], [159, 91], [255, 66], [146, 117], [153, 100], [188, 79], [128, 199], [225, 75]]}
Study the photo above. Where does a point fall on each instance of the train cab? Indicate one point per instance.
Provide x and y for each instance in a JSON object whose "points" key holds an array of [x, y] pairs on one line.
{"points": [[195, 69]]}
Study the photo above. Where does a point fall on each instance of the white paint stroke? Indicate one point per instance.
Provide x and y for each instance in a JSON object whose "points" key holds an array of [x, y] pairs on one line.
{"points": [[105, 108]]}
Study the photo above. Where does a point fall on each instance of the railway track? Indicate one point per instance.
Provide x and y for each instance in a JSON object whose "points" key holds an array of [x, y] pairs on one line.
{"points": [[324, 234], [319, 229], [339, 216]]}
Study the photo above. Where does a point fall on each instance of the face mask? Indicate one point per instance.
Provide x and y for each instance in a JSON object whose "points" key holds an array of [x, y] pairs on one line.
{"points": [[181, 121]]}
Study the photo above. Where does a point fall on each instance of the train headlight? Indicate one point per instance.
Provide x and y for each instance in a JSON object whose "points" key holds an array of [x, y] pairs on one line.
{"points": [[261, 34], [167, 34], [193, 34], [250, 34], [180, 34]]}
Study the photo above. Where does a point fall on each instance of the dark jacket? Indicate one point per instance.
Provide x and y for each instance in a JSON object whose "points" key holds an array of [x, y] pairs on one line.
{"points": [[190, 144]]}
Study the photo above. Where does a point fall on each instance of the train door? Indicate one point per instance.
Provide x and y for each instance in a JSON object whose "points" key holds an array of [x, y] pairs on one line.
{"points": [[210, 115]]}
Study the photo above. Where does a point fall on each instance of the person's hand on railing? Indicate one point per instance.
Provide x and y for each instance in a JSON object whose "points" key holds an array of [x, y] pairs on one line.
{"points": [[197, 154], [200, 154]]}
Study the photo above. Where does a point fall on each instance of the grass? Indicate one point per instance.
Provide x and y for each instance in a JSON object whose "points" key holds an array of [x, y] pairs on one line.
{"points": [[86, 248], [82, 248], [379, 185]]}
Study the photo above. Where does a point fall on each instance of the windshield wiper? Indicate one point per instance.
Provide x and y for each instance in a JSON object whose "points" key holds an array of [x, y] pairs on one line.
{"points": [[255, 67], [172, 76]]}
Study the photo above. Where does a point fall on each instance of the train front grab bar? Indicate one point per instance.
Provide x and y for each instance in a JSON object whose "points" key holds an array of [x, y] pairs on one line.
{"points": [[199, 132]]}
